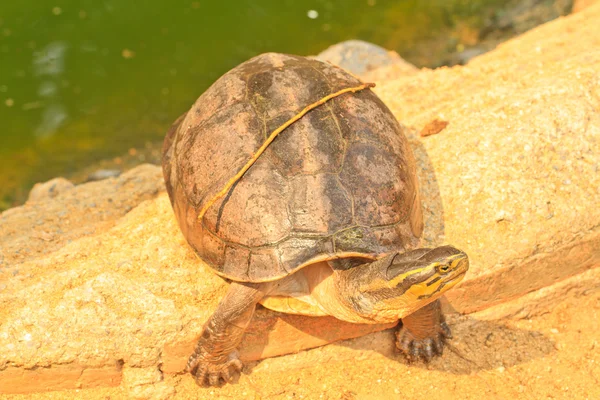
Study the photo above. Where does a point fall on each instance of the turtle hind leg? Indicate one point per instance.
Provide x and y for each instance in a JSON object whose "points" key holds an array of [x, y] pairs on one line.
{"points": [[215, 358], [423, 333]]}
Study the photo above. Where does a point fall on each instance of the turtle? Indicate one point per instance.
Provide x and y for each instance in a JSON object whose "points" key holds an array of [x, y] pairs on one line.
{"points": [[326, 221]]}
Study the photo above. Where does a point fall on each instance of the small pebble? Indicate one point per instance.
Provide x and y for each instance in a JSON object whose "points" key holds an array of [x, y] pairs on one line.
{"points": [[103, 174]]}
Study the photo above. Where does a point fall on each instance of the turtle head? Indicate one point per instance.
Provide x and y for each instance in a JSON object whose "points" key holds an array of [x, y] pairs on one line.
{"points": [[400, 283], [426, 273]]}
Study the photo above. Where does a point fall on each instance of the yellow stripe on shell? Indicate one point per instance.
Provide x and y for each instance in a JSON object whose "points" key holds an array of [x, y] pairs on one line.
{"points": [[272, 137]]}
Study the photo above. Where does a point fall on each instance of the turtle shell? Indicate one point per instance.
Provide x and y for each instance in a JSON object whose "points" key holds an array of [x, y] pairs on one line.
{"points": [[340, 182]]}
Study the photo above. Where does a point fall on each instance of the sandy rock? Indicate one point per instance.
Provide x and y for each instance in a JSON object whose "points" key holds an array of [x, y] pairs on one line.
{"points": [[539, 302], [49, 189], [513, 180], [362, 58], [41, 227], [17, 380], [272, 334], [101, 174], [146, 383], [514, 176], [579, 5], [135, 295]]}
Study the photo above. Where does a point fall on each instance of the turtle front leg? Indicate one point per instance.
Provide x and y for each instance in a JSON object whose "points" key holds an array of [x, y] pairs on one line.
{"points": [[215, 356], [423, 333]]}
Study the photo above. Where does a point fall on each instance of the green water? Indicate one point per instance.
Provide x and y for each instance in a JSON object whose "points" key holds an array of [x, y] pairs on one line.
{"points": [[82, 81]]}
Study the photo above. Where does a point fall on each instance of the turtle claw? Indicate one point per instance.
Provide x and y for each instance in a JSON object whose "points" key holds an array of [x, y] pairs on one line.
{"points": [[438, 345], [445, 330], [211, 373], [426, 348]]}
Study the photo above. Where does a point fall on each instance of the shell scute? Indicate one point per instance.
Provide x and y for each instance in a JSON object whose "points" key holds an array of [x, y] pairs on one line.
{"points": [[199, 166], [357, 239], [236, 262], [339, 182], [319, 204], [311, 145], [379, 183], [256, 211], [297, 250], [263, 263], [371, 122]]}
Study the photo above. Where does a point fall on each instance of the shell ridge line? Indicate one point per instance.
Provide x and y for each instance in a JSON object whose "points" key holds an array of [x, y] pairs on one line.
{"points": [[272, 137]]}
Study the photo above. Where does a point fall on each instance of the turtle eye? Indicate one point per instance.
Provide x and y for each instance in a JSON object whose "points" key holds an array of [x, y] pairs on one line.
{"points": [[443, 268]]}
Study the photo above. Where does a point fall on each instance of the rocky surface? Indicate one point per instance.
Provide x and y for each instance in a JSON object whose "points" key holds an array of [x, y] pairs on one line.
{"points": [[516, 169], [579, 5], [551, 354], [122, 295], [363, 59], [50, 189], [113, 295], [57, 213]]}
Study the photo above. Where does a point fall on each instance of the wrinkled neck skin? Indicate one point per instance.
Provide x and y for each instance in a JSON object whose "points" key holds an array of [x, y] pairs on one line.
{"points": [[366, 292], [336, 294]]}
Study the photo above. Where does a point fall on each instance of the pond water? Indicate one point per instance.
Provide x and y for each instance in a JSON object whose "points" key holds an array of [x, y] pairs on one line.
{"points": [[86, 80]]}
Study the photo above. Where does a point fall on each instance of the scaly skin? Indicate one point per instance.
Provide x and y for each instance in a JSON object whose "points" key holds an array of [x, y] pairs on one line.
{"points": [[423, 333], [377, 291], [215, 356]]}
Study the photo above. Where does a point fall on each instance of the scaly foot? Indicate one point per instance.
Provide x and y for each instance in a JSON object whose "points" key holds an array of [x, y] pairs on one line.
{"points": [[212, 371], [427, 347]]}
